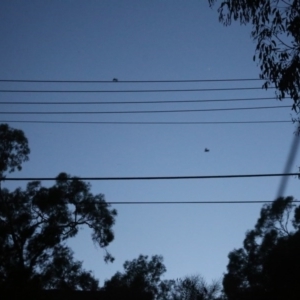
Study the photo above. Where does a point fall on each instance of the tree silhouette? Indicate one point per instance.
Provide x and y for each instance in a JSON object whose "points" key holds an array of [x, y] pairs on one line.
{"points": [[275, 28], [14, 149], [193, 287], [140, 280], [267, 267], [36, 222]]}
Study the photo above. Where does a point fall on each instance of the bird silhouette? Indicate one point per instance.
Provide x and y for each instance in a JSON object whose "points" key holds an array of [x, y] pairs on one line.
{"points": [[206, 150], [115, 80]]}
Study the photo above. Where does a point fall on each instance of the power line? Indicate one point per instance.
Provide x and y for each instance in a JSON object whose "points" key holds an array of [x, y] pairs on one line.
{"points": [[149, 123], [133, 91], [152, 177], [139, 111], [191, 202], [133, 102], [127, 81]]}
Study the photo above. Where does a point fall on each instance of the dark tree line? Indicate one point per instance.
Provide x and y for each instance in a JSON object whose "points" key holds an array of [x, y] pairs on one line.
{"points": [[142, 277], [36, 222], [265, 268]]}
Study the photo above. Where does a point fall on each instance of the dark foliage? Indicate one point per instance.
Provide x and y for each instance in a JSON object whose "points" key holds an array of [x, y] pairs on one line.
{"points": [[141, 278], [13, 149], [73, 295], [267, 267], [275, 28], [193, 288], [36, 222]]}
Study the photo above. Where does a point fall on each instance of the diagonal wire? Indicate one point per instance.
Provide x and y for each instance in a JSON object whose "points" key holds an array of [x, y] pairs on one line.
{"points": [[289, 164]]}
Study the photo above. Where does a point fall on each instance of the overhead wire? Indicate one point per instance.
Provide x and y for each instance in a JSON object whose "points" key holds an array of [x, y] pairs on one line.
{"points": [[115, 80], [139, 111], [132, 102], [191, 202], [134, 91], [148, 123], [289, 163], [142, 102], [150, 177], [138, 102]]}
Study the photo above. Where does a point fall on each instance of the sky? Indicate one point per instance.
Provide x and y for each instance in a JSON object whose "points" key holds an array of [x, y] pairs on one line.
{"points": [[141, 41]]}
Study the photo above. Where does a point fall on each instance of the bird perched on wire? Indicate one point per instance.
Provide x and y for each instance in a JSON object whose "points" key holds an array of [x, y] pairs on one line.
{"points": [[206, 150], [115, 80]]}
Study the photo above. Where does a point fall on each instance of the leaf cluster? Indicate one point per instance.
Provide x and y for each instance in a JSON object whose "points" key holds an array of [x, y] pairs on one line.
{"points": [[275, 29], [141, 277], [194, 287], [14, 149]]}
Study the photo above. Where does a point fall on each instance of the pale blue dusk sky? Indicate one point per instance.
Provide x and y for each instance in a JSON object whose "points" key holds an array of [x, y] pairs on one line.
{"points": [[147, 40]]}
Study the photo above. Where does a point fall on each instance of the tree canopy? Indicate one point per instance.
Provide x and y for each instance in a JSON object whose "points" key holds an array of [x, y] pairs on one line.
{"points": [[14, 149], [35, 224], [194, 287], [275, 28], [267, 267], [141, 278]]}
